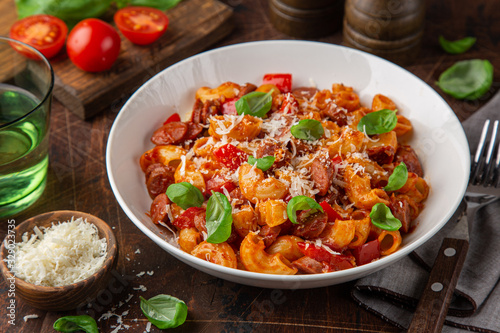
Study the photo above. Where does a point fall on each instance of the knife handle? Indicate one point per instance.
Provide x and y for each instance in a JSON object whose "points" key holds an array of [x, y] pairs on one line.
{"points": [[433, 305]]}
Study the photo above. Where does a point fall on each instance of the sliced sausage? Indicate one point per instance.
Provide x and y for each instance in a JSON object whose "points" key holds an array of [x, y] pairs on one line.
{"points": [[308, 265], [200, 221], [170, 133], [336, 114], [193, 131], [196, 113], [381, 154], [269, 234], [305, 92], [400, 208], [321, 174], [272, 148], [158, 178], [210, 108], [247, 88], [158, 210], [407, 155], [310, 225]]}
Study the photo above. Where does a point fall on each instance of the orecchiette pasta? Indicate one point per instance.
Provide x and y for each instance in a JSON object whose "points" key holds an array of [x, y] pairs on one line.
{"points": [[277, 179]]}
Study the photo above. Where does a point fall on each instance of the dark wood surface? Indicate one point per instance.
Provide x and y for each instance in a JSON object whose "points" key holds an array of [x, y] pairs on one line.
{"points": [[77, 180]]}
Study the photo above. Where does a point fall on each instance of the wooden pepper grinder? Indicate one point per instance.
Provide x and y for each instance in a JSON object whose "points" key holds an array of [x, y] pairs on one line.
{"points": [[306, 18], [392, 29]]}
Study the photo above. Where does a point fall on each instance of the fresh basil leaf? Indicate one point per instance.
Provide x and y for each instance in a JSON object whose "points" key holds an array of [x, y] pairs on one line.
{"points": [[382, 218], [160, 4], [263, 163], [378, 122], [458, 46], [70, 11], [307, 129], [467, 79], [185, 195], [255, 104], [76, 323], [398, 178], [219, 218], [164, 311], [300, 202]]}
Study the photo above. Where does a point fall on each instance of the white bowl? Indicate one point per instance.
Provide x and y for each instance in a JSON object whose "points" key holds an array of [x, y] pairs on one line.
{"points": [[438, 136]]}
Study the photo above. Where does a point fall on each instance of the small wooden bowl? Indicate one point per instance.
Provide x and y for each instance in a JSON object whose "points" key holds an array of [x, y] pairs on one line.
{"points": [[67, 297]]}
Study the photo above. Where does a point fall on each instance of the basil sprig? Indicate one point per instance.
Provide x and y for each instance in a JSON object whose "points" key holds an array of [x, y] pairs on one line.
{"points": [[467, 79], [164, 311], [307, 129], [76, 323], [263, 163], [381, 216], [398, 178], [185, 195], [378, 122], [219, 218], [301, 202], [458, 46], [255, 104]]}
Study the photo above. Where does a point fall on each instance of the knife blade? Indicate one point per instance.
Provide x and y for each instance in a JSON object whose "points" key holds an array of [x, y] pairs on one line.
{"points": [[432, 307]]}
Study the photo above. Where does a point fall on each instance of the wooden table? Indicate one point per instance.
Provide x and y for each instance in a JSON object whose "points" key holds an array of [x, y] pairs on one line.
{"points": [[77, 180]]}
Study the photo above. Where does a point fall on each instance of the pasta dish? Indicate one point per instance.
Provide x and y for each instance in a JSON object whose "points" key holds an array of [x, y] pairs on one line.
{"points": [[277, 179]]}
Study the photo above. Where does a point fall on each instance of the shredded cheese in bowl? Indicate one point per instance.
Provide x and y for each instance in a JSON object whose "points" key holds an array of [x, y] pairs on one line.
{"points": [[63, 254]]}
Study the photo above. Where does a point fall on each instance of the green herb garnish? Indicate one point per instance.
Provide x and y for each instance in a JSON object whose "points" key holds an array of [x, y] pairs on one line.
{"points": [[381, 217], [263, 163], [76, 323], [378, 122], [307, 129], [398, 178], [468, 79], [458, 46], [255, 104], [301, 202], [219, 218], [164, 311], [185, 195]]}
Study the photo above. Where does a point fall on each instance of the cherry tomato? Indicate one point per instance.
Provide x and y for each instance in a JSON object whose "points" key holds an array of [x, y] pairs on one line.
{"points": [[45, 33], [228, 107], [289, 105], [331, 262], [186, 219], [93, 45], [141, 25], [172, 118], [230, 156], [332, 214], [367, 252], [282, 81], [218, 183]]}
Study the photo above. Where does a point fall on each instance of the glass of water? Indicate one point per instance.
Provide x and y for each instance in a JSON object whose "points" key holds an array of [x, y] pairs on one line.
{"points": [[26, 82]]}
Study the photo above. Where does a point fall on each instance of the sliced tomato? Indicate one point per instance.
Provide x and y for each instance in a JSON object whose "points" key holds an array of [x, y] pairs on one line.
{"points": [[141, 25], [332, 214], [331, 262], [282, 81], [186, 219], [230, 156], [172, 118], [228, 107], [367, 252], [45, 33]]}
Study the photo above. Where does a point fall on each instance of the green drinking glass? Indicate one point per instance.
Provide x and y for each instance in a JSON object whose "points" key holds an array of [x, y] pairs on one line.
{"points": [[26, 82]]}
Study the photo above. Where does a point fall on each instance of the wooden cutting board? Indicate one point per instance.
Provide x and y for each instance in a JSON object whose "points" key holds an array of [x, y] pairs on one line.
{"points": [[194, 26]]}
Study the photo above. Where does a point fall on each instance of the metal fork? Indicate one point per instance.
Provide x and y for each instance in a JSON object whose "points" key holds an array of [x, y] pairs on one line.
{"points": [[482, 190]]}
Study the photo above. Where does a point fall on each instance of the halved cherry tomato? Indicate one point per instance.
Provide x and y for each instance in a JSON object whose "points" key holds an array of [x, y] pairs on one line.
{"points": [[186, 219], [93, 45], [45, 33], [230, 156], [172, 118], [367, 252], [218, 183], [282, 81], [141, 25], [289, 105], [228, 107], [331, 262], [332, 214]]}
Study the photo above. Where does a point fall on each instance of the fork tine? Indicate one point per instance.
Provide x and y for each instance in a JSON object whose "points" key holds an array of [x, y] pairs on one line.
{"points": [[479, 152], [488, 170]]}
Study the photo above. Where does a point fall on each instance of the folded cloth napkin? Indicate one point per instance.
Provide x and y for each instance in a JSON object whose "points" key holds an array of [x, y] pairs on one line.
{"points": [[393, 292]]}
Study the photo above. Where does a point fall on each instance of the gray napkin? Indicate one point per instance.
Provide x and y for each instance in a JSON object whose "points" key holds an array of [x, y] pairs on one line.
{"points": [[393, 292]]}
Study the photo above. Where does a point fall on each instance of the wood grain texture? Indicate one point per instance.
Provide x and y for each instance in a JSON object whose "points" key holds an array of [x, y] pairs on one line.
{"points": [[195, 25], [433, 306], [77, 180], [62, 298]]}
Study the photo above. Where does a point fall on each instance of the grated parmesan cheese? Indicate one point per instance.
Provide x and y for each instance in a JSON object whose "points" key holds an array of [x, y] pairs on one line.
{"points": [[63, 254]]}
